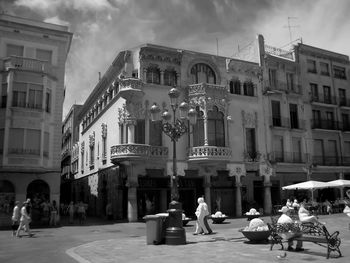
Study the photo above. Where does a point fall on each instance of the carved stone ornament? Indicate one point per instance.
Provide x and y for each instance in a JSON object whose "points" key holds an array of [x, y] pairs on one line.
{"points": [[236, 170], [104, 130], [92, 139], [122, 114], [82, 147], [249, 120]]}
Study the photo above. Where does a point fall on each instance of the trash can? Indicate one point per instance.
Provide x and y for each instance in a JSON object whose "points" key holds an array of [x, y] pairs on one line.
{"points": [[155, 229]]}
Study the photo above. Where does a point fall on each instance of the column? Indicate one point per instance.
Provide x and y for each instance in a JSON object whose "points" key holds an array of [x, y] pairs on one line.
{"points": [[267, 195], [132, 202], [341, 176], [238, 196], [131, 122], [144, 75], [163, 200], [207, 194], [206, 143], [162, 77]]}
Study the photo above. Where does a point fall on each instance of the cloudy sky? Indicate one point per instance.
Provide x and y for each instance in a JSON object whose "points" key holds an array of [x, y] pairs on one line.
{"points": [[102, 28]]}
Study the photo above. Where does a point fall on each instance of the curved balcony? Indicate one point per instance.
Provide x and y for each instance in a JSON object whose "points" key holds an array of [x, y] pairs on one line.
{"points": [[129, 152], [209, 153], [131, 88]]}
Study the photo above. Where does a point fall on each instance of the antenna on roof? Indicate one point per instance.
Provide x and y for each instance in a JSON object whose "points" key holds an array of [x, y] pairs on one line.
{"points": [[290, 27]]}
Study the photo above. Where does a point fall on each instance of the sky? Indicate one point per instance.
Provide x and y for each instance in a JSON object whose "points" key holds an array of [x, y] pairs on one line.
{"points": [[103, 28]]}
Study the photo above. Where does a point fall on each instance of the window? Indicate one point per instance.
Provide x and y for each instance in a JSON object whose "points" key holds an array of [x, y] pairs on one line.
{"points": [[46, 144], [202, 73], [276, 113], [170, 77], [216, 130], [251, 143], [316, 117], [19, 94], [33, 144], [153, 74], [342, 97], [16, 140], [48, 101], [332, 153], [235, 86], [324, 69], [104, 142], [92, 150], [318, 157], [330, 120], [311, 66], [3, 95], [155, 133], [248, 88], [272, 78], [198, 129], [345, 120], [82, 156], [339, 72], [290, 81], [314, 91], [44, 55], [1, 141], [327, 94], [293, 110], [35, 99], [140, 132], [14, 50], [296, 150], [278, 148]]}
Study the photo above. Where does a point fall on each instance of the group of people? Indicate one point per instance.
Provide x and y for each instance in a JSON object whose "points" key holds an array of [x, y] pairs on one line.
{"points": [[76, 210], [304, 216], [21, 218]]}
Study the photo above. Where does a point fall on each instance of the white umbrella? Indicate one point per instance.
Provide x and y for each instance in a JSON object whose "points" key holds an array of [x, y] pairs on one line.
{"points": [[341, 183], [308, 185]]}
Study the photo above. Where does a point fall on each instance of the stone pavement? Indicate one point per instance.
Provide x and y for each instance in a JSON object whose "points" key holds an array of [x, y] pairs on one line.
{"points": [[225, 245]]}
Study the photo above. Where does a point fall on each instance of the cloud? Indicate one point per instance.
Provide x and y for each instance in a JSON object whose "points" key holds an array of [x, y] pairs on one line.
{"points": [[102, 28]]}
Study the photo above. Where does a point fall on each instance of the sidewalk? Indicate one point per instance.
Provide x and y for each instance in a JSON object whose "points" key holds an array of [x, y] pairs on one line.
{"points": [[225, 245]]}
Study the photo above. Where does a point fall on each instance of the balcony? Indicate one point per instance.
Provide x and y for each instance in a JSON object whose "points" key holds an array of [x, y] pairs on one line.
{"points": [[281, 87], [278, 121], [325, 124], [65, 153], [327, 160], [251, 156], [29, 64], [130, 152], [207, 89], [323, 100], [343, 102], [130, 88], [209, 153], [287, 157]]}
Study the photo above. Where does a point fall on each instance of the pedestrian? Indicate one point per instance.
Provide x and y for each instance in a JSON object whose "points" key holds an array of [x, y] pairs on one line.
{"points": [[109, 211], [201, 213], [24, 220], [81, 212], [285, 219], [53, 214], [304, 215], [70, 211], [16, 216]]}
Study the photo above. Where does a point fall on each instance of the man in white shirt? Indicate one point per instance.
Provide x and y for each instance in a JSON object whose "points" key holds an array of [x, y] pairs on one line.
{"points": [[286, 219], [24, 220], [15, 218]]}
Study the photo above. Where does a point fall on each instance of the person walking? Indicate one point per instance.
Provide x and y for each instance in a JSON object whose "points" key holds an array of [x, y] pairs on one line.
{"points": [[81, 212], [201, 213], [24, 220], [53, 214], [15, 218], [70, 211]]}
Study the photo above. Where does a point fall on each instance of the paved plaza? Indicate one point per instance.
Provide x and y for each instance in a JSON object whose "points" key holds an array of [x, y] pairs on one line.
{"points": [[100, 241]]}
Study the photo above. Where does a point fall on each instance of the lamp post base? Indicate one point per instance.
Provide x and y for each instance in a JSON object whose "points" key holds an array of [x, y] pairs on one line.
{"points": [[175, 234]]}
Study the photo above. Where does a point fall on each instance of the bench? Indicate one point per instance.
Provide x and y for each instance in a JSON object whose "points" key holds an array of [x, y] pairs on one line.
{"points": [[306, 232]]}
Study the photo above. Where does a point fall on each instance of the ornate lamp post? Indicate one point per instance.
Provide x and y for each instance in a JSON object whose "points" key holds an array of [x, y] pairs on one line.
{"points": [[175, 234]]}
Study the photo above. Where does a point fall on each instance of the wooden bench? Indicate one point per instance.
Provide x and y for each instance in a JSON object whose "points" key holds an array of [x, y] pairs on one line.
{"points": [[308, 232]]}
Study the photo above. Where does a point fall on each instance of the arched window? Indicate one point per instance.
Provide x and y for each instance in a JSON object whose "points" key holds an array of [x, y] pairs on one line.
{"points": [[202, 73], [248, 88], [216, 128], [170, 77], [153, 74], [198, 129], [235, 86]]}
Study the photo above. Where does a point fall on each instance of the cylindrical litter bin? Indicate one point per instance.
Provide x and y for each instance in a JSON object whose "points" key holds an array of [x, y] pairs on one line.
{"points": [[154, 229]]}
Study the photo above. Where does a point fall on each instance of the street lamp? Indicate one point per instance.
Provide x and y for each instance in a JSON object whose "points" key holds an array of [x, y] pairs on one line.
{"points": [[175, 234]]}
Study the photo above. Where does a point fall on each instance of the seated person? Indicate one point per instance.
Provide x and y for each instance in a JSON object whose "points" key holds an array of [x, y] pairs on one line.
{"points": [[289, 204], [296, 204], [304, 215], [286, 219]]}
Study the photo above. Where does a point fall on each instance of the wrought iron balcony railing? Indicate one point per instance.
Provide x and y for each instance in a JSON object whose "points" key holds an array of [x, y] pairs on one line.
{"points": [[324, 99], [287, 157], [325, 124], [291, 123], [209, 153], [251, 156], [137, 151], [282, 87]]}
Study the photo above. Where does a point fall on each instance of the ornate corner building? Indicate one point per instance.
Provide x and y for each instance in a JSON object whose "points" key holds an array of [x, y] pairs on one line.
{"points": [[32, 68], [254, 133]]}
